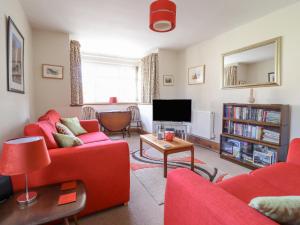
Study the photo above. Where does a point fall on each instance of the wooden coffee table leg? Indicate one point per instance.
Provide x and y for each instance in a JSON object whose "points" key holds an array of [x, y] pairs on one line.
{"points": [[192, 158], [141, 147], [165, 164]]}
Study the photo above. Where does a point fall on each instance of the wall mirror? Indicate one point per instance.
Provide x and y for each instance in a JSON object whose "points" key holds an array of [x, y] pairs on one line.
{"points": [[253, 66]]}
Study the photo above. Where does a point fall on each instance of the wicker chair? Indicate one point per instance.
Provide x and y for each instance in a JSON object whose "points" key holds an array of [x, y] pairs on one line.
{"points": [[88, 113], [135, 118]]}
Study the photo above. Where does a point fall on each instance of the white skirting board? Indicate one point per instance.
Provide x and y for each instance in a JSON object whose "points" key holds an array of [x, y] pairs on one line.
{"points": [[203, 124]]}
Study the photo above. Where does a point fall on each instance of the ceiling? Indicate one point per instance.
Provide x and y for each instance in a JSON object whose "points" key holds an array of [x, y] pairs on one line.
{"points": [[120, 27]]}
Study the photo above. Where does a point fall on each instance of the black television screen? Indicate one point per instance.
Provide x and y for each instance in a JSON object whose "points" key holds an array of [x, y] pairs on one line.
{"points": [[176, 110]]}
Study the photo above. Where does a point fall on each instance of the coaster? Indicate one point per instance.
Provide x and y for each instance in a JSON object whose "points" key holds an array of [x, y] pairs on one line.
{"points": [[68, 185], [67, 198]]}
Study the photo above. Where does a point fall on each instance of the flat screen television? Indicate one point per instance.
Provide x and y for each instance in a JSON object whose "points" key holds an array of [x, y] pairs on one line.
{"points": [[173, 110]]}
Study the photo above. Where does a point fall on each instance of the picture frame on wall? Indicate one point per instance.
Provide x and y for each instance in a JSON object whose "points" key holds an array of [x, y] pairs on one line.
{"points": [[168, 80], [196, 75], [15, 58], [53, 71]]}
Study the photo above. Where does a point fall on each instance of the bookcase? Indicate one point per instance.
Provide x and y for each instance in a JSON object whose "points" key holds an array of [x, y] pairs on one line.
{"points": [[255, 135]]}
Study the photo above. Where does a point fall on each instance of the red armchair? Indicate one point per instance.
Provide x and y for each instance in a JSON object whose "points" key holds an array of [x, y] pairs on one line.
{"points": [[102, 165], [192, 200]]}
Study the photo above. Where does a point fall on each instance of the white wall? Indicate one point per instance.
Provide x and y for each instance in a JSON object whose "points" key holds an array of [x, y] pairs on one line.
{"points": [[210, 96], [146, 116], [15, 109]]}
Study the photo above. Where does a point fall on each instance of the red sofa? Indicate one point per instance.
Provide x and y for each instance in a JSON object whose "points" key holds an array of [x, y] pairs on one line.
{"points": [[102, 164], [192, 200]]}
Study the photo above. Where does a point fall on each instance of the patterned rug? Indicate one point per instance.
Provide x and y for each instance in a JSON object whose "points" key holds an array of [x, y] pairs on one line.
{"points": [[149, 170]]}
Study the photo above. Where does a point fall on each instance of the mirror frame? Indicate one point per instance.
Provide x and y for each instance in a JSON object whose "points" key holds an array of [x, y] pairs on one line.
{"points": [[277, 60]]}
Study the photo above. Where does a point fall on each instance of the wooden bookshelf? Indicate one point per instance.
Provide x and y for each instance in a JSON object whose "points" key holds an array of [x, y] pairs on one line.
{"points": [[255, 129]]}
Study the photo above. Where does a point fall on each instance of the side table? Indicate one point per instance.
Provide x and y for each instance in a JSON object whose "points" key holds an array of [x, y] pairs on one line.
{"points": [[45, 209]]}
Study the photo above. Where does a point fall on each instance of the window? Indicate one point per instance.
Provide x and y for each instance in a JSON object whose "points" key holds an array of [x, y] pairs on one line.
{"points": [[101, 80]]}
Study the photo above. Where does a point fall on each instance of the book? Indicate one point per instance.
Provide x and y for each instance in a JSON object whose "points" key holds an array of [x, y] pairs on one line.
{"points": [[68, 185], [67, 198]]}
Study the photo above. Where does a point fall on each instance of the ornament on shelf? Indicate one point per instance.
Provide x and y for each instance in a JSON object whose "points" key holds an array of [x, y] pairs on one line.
{"points": [[251, 97]]}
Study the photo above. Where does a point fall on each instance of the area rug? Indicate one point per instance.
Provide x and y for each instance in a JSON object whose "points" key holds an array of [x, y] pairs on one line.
{"points": [[149, 170]]}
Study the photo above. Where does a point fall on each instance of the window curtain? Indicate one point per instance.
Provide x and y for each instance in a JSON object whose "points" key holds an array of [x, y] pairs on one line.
{"points": [[230, 75], [150, 78], [76, 75]]}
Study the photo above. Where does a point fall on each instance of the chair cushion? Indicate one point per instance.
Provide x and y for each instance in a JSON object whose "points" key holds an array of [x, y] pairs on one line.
{"points": [[246, 187], [93, 137], [47, 130], [51, 116], [283, 176]]}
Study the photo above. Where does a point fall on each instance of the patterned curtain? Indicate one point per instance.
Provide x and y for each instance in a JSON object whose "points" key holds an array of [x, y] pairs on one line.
{"points": [[150, 78], [230, 76], [75, 69]]}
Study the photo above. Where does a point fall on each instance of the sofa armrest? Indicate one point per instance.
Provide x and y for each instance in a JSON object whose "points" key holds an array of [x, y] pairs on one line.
{"points": [[294, 152], [90, 125], [192, 200], [102, 166]]}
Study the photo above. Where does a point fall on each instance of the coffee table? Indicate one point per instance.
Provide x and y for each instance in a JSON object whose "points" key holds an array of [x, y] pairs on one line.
{"points": [[45, 208], [175, 146]]}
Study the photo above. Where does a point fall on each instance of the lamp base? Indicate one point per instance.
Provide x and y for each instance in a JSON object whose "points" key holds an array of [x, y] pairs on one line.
{"points": [[23, 200]]}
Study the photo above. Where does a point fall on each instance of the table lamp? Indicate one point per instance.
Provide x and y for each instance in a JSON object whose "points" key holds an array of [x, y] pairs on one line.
{"points": [[23, 156]]}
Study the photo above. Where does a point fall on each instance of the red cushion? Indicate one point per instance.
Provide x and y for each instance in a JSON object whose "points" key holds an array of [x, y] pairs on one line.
{"points": [[283, 176], [48, 129], [93, 137], [52, 116], [246, 187]]}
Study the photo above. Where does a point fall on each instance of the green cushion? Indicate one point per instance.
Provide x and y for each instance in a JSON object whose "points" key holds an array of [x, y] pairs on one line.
{"points": [[74, 125], [285, 209], [66, 140], [62, 129]]}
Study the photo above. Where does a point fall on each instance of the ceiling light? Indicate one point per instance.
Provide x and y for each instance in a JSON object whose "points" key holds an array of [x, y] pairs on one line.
{"points": [[162, 16]]}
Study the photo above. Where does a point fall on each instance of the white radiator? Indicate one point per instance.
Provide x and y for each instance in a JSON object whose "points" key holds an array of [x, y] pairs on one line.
{"points": [[203, 124]]}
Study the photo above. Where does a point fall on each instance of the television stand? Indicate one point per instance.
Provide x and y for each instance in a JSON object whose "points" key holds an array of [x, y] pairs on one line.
{"points": [[181, 129]]}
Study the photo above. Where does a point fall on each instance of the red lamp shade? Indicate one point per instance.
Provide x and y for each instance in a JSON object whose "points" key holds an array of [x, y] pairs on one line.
{"points": [[23, 155], [162, 16], [113, 100]]}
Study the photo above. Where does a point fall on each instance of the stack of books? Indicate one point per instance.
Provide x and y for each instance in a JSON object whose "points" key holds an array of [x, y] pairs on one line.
{"points": [[271, 136], [248, 131], [272, 117], [263, 155], [247, 113], [236, 148]]}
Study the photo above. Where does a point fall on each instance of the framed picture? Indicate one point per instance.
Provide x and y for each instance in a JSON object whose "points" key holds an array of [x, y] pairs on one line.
{"points": [[168, 80], [53, 71], [271, 77], [15, 58], [196, 75]]}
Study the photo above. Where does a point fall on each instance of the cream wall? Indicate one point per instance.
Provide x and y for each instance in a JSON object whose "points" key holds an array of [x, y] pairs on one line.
{"points": [[15, 109], [210, 96], [52, 48], [168, 65], [258, 72]]}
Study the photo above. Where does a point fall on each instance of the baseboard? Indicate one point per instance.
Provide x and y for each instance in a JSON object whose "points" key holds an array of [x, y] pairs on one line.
{"points": [[214, 146], [138, 130]]}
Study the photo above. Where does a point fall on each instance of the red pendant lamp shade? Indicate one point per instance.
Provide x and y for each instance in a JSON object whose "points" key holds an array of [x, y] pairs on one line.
{"points": [[162, 16]]}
